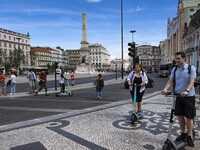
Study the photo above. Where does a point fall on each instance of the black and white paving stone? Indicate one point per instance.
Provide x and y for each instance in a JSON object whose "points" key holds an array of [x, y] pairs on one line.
{"points": [[106, 128]]}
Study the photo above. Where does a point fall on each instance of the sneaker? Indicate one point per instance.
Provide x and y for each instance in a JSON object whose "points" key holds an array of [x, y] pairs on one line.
{"points": [[100, 98], [139, 112], [11, 93], [182, 137], [190, 141], [36, 93]]}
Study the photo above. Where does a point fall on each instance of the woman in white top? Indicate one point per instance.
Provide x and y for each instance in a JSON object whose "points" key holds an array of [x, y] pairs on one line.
{"points": [[139, 78], [13, 83]]}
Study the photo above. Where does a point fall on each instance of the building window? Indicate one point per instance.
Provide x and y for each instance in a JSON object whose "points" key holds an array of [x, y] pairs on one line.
{"points": [[191, 9], [13, 38], [5, 45], [4, 36]]}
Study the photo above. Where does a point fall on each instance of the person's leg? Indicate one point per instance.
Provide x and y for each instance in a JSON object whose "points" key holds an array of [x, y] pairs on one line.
{"points": [[100, 93], [11, 88], [30, 86], [4, 89], [97, 92], [1, 91], [14, 88], [45, 86], [181, 121], [41, 87], [190, 113], [190, 125], [63, 87], [179, 111]]}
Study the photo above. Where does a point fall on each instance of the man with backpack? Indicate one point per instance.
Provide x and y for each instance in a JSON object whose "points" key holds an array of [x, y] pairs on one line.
{"points": [[99, 84], [183, 77], [32, 81]]}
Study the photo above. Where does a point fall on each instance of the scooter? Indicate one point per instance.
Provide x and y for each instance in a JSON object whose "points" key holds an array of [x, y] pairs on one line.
{"points": [[170, 144], [135, 116], [68, 92]]}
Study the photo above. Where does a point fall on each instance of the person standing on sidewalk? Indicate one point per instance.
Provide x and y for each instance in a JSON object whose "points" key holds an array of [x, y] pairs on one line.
{"points": [[32, 81], [13, 82], [42, 83], [62, 82], [138, 77], [72, 77], [185, 103], [2, 83], [99, 83]]}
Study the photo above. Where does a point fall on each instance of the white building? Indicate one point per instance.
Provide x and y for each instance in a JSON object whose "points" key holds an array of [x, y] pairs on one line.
{"points": [[10, 40], [100, 58], [116, 64]]}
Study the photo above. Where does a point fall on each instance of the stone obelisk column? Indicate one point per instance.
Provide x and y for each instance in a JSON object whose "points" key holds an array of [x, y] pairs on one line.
{"points": [[84, 43]]}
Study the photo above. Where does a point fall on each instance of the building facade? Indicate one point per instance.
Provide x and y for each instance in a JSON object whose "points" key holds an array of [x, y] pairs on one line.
{"points": [[149, 57], [100, 58], [46, 56], [11, 40], [116, 65], [73, 59], [192, 41], [176, 27]]}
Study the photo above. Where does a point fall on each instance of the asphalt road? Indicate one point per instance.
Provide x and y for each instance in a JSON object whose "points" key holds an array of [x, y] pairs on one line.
{"points": [[16, 109]]}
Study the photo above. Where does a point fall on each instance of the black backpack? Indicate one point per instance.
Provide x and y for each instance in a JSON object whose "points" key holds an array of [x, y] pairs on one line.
{"points": [[174, 81], [100, 82]]}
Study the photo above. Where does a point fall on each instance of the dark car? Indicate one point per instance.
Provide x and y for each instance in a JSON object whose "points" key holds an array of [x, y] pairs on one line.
{"points": [[197, 80], [149, 85]]}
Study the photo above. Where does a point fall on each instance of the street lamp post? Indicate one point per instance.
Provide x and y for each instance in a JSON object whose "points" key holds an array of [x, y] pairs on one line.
{"points": [[122, 37], [132, 31]]}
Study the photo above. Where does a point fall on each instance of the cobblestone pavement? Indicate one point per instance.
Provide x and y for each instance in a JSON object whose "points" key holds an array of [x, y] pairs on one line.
{"points": [[102, 127]]}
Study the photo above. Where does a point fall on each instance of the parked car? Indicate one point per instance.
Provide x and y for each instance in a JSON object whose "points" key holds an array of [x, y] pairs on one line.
{"points": [[149, 85]]}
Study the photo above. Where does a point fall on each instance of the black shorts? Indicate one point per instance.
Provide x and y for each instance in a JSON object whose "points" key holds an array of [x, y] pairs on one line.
{"points": [[139, 96], [185, 106]]}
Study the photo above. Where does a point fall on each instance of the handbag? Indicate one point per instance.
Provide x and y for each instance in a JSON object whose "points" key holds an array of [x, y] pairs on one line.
{"points": [[8, 83]]}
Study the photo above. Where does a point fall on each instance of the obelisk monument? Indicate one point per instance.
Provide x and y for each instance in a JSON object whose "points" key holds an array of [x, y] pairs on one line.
{"points": [[84, 43], [85, 65]]}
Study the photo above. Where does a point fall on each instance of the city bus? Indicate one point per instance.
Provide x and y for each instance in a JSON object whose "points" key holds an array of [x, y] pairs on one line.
{"points": [[164, 71]]}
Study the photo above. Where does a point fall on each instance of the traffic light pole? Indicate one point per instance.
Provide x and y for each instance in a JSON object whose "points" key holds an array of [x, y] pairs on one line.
{"points": [[55, 66]]}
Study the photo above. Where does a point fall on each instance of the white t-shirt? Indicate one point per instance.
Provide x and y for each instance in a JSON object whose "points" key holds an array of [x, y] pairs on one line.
{"points": [[13, 78]]}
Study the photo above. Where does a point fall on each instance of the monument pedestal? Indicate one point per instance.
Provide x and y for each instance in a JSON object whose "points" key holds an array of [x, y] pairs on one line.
{"points": [[85, 68]]}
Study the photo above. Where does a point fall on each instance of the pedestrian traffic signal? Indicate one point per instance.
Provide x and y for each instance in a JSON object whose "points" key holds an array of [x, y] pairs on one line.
{"points": [[131, 49]]}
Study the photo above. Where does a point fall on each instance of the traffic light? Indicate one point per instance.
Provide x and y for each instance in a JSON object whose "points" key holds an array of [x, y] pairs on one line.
{"points": [[131, 49]]}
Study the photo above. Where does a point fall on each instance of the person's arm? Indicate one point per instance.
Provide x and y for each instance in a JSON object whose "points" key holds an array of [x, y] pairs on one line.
{"points": [[191, 83], [145, 80], [129, 78], [168, 84]]}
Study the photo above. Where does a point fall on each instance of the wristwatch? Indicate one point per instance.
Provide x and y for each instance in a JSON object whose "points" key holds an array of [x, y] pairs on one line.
{"points": [[186, 91]]}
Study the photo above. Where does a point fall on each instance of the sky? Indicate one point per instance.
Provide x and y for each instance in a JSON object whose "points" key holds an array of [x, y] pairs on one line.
{"points": [[55, 23]]}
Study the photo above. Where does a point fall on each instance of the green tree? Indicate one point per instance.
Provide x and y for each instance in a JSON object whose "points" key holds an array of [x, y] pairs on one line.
{"points": [[33, 57], [18, 58], [7, 66]]}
